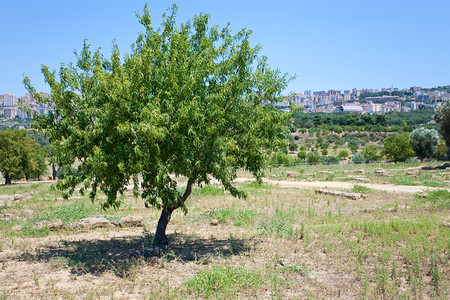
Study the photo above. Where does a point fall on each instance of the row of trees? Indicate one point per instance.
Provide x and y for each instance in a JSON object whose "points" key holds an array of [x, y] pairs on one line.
{"points": [[354, 122]]}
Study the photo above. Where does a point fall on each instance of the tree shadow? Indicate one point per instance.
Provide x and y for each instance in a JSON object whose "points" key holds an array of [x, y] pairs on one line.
{"points": [[120, 255]]}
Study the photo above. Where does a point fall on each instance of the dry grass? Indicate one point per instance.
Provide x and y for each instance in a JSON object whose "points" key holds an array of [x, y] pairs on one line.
{"points": [[279, 243]]}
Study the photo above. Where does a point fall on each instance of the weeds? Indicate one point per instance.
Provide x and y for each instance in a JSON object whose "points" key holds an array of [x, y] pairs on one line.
{"points": [[208, 190], [223, 282], [361, 189], [237, 217], [438, 199]]}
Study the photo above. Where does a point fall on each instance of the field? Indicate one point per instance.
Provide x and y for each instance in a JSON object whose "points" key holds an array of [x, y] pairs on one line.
{"points": [[390, 240]]}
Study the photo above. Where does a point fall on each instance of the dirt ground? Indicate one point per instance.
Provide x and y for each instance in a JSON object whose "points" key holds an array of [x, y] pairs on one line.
{"points": [[321, 262]]}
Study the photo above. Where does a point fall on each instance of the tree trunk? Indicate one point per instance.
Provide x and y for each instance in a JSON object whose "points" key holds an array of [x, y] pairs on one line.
{"points": [[54, 172], [161, 238], [7, 179]]}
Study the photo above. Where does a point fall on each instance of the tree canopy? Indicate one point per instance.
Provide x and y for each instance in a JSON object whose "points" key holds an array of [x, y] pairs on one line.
{"points": [[424, 142], [185, 100], [397, 147], [20, 156], [442, 118]]}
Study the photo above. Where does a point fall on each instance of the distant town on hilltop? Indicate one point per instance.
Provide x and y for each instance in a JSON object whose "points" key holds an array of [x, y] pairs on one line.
{"points": [[365, 101], [368, 101]]}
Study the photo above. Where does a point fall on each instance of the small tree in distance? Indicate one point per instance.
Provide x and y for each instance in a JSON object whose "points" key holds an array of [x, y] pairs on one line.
{"points": [[20, 156], [370, 152], [397, 147], [442, 118], [424, 142], [185, 98]]}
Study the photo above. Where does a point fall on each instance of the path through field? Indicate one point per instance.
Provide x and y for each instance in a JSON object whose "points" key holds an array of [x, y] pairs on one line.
{"points": [[349, 185]]}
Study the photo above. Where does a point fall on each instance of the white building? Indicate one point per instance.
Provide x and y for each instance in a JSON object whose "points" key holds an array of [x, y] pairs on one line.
{"points": [[9, 100]]}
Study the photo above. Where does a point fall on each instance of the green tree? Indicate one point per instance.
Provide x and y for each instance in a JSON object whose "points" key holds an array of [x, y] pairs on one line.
{"points": [[313, 158], [20, 156], [442, 119], [398, 147], [353, 145], [424, 142], [185, 98], [293, 146], [343, 154], [370, 152], [301, 155]]}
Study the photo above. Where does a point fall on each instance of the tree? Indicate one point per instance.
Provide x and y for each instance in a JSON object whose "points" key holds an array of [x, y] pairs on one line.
{"points": [[293, 146], [343, 154], [301, 155], [397, 147], [313, 158], [442, 119], [185, 98], [424, 142], [20, 156], [370, 152], [353, 145]]}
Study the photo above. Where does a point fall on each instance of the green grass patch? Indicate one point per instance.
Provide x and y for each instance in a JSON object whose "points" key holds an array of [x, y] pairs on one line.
{"points": [[361, 189], [77, 210], [403, 181], [208, 190], [254, 187], [21, 188], [237, 217], [439, 199], [223, 282], [280, 225]]}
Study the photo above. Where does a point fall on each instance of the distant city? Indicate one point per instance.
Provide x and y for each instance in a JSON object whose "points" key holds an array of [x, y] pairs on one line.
{"points": [[12, 107], [368, 101], [365, 101]]}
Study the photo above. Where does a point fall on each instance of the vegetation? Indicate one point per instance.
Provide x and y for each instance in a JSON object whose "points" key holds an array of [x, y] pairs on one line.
{"points": [[398, 148], [424, 142], [371, 153], [357, 158], [185, 100], [20, 156], [274, 244], [442, 118], [340, 121]]}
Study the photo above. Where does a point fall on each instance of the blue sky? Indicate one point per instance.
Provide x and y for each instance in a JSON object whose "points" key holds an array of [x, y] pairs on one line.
{"points": [[327, 44]]}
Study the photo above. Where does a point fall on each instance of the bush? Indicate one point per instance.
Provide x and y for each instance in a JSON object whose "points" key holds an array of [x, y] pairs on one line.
{"points": [[357, 158], [343, 154], [313, 158], [328, 160], [293, 146], [281, 158], [353, 145], [371, 153], [301, 155]]}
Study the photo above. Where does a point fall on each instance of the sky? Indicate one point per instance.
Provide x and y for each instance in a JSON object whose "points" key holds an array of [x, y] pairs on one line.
{"points": [[326, 44]]}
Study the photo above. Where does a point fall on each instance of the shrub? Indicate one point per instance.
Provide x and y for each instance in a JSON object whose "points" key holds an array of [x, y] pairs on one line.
{"points": [[281, 158], [313, 158], [343, 154], [371, 153], [328, 160], [301, 155], [357, 158]]}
